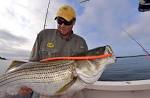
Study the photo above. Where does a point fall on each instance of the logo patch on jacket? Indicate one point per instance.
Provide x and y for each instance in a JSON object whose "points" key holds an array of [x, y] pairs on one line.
{"points": [[50, 45]]}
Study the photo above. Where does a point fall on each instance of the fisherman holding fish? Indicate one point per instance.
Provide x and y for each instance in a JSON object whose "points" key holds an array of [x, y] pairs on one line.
{"points": [[56, 43]]}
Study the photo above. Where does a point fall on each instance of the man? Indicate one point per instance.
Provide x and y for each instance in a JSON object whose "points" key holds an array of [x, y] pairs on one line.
{"points": [[57, 42]]}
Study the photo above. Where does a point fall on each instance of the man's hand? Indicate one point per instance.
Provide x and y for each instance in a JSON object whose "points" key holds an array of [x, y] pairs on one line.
{"points": [[25, 91]]}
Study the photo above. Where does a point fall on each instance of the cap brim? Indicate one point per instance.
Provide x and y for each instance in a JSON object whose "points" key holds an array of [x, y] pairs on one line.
{"points": [[55, 18]]}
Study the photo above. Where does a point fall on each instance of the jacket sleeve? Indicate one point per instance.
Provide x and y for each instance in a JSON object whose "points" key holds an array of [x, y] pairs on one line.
{"points": [[83, 45], [34, 56]]}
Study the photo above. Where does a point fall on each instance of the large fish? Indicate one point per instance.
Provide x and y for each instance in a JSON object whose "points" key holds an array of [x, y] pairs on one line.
{"points": [[57, 76]]}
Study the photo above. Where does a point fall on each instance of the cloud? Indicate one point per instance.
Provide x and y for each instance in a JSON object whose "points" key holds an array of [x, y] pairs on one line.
{"points": [[102, 22], [15, 54], [21, 21], [101, 16], [10, 44], [26, 17], [140, 28], [9, 37]]}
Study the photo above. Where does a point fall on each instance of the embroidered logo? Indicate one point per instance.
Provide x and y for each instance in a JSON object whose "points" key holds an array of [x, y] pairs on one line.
{"points": [[50, 45]]}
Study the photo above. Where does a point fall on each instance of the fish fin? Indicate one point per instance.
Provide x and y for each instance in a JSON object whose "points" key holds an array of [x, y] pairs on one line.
{"points": [[14, 64], [64, 88]]}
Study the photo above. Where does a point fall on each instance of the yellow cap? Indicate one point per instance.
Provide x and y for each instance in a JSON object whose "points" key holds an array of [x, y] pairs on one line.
{"points": [[66, 12]]}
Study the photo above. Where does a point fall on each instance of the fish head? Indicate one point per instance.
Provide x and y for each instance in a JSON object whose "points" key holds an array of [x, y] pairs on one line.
{"points": [[89, 71]]}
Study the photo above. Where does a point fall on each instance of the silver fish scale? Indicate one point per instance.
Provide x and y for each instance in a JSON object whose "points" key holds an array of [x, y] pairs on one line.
{"points": [[55, 73], [33, 67]]}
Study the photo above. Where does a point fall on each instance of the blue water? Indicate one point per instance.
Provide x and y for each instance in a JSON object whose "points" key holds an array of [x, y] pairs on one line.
{"points": [[125, 69]]}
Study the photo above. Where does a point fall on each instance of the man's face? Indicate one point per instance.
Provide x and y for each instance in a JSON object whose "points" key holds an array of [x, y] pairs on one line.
{"points": [[64, 26]]}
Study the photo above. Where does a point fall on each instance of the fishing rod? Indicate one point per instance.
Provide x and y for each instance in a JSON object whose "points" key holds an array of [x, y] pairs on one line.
{"points": [[137, 42], [84, 1], [46, 14]]}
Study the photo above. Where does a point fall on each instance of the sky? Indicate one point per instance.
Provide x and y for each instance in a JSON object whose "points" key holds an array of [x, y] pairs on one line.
{"points": [[99, 22]]}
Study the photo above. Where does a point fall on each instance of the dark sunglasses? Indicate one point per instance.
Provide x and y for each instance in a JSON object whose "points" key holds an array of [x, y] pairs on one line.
{"points": [[63, 21]]}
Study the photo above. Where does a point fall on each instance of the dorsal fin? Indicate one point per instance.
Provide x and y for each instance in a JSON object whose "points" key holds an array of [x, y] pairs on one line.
{"points": [[14, 64]]}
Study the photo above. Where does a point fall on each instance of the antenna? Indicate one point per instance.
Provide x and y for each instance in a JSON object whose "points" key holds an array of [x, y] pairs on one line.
{"points": [[46, 14], [137, 42]]}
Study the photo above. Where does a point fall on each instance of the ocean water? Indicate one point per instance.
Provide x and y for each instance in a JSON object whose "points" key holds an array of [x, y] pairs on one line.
{"points": [[125, 69], [4, 64]]}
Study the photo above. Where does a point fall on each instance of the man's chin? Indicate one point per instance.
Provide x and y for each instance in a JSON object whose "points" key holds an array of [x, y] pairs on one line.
{"points": [[64, 33]]}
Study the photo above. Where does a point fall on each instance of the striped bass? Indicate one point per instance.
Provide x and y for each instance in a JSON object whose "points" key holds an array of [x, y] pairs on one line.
{"points": [[55, 77]]}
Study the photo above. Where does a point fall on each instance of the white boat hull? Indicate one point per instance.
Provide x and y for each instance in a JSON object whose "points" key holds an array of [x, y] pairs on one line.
{"points": [[125, 89]]}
